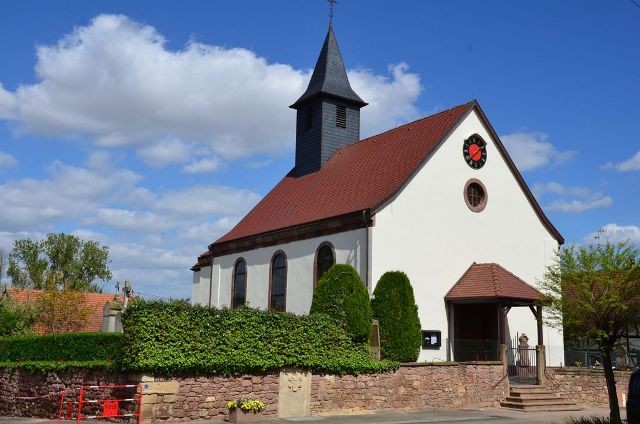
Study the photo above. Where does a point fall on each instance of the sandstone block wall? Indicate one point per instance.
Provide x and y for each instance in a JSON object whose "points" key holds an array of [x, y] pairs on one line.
{"points": [[195, 398], [295, 393], [410, 387], [586, 386], [27, 394]]}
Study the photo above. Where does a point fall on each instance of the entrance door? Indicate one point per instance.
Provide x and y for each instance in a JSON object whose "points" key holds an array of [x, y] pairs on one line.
{"points": [[475, 332]]}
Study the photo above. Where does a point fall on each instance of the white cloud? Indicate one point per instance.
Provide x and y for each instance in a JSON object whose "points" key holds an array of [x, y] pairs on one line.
{"points": [[615, 233], [205, 233], [571, 199], [115, 83], [531, 150], [205, 201], [7, 104], [165, 152], [391, 99], [7, 161], [631, 164], [127, 220], [576, 206], [133, 255], [68, 192], [85, 234], [201, 166]]}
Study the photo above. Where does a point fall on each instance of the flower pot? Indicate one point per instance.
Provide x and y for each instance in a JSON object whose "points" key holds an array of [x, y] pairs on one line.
{"points": [[237, 416]]}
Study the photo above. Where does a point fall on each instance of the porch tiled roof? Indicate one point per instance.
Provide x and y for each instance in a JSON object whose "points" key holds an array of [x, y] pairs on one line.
{"points": [[490, 280]]}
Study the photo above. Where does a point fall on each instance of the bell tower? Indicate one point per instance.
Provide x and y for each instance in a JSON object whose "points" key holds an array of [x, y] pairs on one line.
{"points": [[328, 113]]}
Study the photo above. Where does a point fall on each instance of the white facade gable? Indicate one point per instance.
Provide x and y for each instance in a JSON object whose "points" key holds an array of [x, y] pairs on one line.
{"points": [[429, 232]]}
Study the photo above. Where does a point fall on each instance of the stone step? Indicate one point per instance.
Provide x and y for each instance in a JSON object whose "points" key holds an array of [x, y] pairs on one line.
{"points": [[544, 401], [528, 389], [541, 395], [532, 398], [555, 407]]}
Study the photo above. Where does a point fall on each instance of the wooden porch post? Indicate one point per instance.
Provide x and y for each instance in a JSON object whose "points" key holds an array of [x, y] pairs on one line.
{"points": [[502, 330], [540, 351]]}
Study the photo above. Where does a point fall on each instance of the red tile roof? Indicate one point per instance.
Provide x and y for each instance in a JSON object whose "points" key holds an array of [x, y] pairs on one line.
{"points": [[491, 281], [357, 177], [95, 301], [361, 176]]}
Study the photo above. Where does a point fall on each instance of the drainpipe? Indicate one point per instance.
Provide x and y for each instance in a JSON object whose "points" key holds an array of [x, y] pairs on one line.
{"points": [[211, 280], [365, 218]]}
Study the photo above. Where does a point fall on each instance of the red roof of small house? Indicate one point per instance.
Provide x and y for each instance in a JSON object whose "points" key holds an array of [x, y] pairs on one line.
{"points": [[491, 281], [363, 176], [95, 301]]}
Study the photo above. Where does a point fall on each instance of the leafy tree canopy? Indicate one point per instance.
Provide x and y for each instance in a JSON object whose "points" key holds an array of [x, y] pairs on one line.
{"points": [[594, 294], [15, 319], [61, 261]]}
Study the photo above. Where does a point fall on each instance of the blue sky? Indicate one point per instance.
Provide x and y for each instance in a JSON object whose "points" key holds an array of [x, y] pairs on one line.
{"points": [[153, 126]]}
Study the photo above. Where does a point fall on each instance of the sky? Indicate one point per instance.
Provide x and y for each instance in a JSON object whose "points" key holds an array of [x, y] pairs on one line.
{"points": [[154, 126]]}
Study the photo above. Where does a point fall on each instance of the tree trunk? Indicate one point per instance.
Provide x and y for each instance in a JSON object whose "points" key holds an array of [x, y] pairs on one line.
{"points": [[614, 408]]}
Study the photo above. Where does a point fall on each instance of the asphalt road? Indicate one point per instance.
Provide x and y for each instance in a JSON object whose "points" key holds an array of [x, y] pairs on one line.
{"points": [[490, 415]]}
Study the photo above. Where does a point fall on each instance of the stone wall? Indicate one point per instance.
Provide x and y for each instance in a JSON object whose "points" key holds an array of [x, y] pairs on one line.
{"points": [[27, 394], [287, 393], [419, 386], [586, 386], [191, 398]]}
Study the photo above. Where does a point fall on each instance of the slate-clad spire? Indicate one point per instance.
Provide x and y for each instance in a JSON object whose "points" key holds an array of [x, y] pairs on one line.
{"points": [[329, 75], [328, 115]]}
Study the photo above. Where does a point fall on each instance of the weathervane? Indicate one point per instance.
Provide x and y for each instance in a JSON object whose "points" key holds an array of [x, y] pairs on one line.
{"points": [[331, 4]]}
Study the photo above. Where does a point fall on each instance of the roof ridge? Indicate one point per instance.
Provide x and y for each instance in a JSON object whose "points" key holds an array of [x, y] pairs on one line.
{"points": [[520, 279], [409, 123]]}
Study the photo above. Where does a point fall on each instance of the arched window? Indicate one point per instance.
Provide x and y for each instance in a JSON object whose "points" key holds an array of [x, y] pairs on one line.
{"points": [[325, 258], [278, 288], [239, 286]]}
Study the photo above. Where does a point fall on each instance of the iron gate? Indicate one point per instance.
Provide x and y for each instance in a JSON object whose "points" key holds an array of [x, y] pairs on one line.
{"points": [[522, 366]]}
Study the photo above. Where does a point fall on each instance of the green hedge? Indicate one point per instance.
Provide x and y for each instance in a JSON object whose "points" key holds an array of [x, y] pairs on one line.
{"points": [[49, 366], [394, 306], [174, 337], [78, 347], [341, 294]]}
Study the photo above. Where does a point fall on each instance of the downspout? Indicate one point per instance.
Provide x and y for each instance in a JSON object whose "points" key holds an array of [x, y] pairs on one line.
{"points": [[211, 280], [366, 250]]}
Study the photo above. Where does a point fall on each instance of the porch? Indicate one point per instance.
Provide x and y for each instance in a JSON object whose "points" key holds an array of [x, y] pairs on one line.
{"points": [[477, 307]]}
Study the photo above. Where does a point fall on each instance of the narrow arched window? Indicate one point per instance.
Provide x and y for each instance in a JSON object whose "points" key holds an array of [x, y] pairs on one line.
{"points": [[278, 288], [325, 258], [239, 286]]}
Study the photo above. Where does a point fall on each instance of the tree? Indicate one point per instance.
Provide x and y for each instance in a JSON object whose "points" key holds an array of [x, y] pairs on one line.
{"points": [[16, 319], [593, 293], [341, 294], [64, 311], [3, 263], [61, 261], [394, 306]]}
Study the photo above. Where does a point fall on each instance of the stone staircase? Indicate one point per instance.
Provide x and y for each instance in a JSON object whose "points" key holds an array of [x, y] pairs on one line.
{"points": [[537, 398]]}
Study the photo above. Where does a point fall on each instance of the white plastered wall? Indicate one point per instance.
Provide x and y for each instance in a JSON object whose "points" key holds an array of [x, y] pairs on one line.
{"points": [[428, 232], [349, 248], [201, 286]]}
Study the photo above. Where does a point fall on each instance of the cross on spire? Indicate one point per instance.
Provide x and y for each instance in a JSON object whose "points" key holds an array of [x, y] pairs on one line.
{"points": [[332, 3]]}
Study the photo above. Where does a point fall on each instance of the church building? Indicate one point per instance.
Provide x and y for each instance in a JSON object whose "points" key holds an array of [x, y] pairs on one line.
{"points": [[439, 199]]}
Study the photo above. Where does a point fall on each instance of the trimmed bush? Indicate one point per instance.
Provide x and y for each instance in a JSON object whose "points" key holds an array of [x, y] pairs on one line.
{"points": [[67, 347], [394, 306], [176, 338], [341, 294]]}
